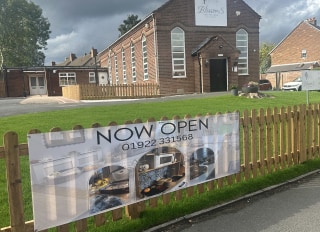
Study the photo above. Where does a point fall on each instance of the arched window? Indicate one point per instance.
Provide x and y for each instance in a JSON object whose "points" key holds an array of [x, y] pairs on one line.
{"points": [[242, 46], [178, 53], [145, 58]]}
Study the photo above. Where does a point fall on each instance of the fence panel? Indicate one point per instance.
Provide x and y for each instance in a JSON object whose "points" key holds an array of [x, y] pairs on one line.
{"points": [[282, 135], [262, 139], [271, 140], [276, 138], [14, 181], [98, 92], [254, 142], [289, 136]]}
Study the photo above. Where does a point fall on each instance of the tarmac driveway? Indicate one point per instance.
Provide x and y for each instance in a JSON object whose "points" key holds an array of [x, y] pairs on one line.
{"points": [[34, 104]]}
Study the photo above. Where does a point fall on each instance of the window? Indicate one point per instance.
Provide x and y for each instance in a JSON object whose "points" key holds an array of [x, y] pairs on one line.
{"points": [[242, 46], [116, 68], [67, 79], [133, 63], [145, 58], [304, 54], [124, 67], [110, 68], [178, 52], [92, 77]]}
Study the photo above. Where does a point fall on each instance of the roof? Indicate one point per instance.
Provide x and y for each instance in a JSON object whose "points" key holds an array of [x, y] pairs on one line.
{"points": [[293, 67], [201, 45], [204, 43], [307, 22], [89, 60]]}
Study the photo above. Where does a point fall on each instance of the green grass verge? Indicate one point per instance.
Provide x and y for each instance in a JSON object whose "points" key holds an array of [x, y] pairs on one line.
{"points": [[66, 119]]}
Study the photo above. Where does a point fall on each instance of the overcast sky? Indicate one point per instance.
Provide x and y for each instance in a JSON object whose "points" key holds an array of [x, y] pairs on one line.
{"points": [[79, 25]]}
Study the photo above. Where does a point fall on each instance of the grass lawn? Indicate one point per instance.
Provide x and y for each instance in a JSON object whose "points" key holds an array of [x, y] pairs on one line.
{"points": [[66, 119]]}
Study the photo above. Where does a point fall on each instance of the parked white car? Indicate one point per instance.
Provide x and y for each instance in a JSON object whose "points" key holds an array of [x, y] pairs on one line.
{"points": [[295, 85]]}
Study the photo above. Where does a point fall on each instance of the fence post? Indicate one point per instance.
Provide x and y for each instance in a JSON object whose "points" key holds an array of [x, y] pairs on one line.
{"points": [[11, 152]]}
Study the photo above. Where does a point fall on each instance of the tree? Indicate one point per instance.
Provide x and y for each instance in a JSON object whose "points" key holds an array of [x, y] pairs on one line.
{"points": [[23, 33], [264, 57], [128, 23]]}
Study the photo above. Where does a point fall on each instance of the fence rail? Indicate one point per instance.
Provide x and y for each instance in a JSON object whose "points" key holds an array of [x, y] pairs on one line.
{"points": [[271, 140], [98, 92]]}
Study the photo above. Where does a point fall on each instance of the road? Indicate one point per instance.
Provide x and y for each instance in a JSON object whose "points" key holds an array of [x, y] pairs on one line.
{"points": [[34, 104], [289, 207]]}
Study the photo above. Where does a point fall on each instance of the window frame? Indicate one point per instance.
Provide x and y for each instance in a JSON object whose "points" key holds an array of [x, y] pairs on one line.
{"points": [[145, 58], [124, 66], [67, 76], [109, 68], [178, 53], [133, 62], [303, 53], [92, 75], [116, 69], [243, 46]]}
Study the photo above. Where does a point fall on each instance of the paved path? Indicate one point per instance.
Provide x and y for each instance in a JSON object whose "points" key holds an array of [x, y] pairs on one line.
{"points": [[289, 207], [34, 104]]}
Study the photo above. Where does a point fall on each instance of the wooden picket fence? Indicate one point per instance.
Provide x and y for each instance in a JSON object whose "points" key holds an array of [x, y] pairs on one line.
{"points": [[99, 92], [271, 140]]}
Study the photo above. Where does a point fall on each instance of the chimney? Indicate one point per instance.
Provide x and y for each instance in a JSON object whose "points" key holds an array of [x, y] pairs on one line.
{"points": [[312, 21], [72, 56], [94, 52], [53, 63]]}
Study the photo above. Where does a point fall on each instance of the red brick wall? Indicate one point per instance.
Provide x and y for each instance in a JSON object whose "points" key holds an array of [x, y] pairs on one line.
{"points": [[181, 13], [303, 37], [17, 83]]}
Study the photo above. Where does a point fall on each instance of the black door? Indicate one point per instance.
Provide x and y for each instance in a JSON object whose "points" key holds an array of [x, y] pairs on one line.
{"points": [[218, 75]]}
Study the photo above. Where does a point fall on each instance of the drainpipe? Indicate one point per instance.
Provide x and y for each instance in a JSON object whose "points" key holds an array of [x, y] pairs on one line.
{"points": [[201, 72], [24, 85], [155, 48], [6, 89], [96, 70]]}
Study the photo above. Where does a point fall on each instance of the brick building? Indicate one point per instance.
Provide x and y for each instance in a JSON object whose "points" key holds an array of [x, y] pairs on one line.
{"points": [[299, 50], [189, 46], [49, 80]]}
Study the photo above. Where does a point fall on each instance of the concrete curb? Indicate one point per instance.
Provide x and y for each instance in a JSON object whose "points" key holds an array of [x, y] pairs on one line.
{"points": [[189, 217]]}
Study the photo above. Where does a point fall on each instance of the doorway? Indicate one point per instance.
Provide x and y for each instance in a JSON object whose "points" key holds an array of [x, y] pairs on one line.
{"points": [[37, 85], [218, 75]]}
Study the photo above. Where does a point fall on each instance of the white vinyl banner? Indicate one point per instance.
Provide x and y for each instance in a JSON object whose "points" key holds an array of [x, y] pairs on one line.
{"points": [[76, 174], [211, 12]]}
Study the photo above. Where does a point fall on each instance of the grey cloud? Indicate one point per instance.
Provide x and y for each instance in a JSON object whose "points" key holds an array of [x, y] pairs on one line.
{"points": [[65, 15], [279, 18], [81, 24]]}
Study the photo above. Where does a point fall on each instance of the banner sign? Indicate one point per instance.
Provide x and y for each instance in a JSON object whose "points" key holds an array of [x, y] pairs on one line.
{"points": [[211, 12], [80, 173]]}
